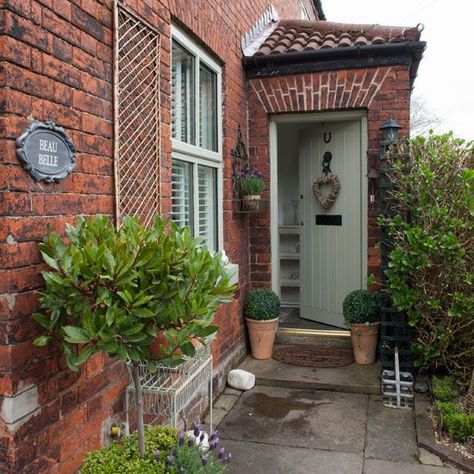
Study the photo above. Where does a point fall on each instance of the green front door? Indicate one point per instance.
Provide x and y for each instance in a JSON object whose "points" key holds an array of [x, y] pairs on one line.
{"points": [[332, 240]]}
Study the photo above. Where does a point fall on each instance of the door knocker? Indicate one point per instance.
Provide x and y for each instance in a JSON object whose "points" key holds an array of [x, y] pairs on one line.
{"points": [[327, 137]]}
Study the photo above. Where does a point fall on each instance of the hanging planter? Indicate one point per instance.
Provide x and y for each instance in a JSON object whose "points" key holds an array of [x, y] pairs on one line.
{"points": [[251, 202], [251, 187]]}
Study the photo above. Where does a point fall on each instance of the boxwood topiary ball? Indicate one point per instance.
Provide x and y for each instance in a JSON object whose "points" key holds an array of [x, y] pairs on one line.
{"points": [[262, 304], [361, 306]]}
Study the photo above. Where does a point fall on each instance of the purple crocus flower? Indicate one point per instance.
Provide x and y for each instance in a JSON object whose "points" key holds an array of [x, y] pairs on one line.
{"points": [[213, 444], [181, 438], [190, 442], [205, 459], [214, 436], [221, 453], [156, 455]]}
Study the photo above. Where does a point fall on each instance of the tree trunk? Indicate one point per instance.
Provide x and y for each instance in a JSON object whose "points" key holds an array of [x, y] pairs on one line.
{"points": [[470, 397], [139, 401]]}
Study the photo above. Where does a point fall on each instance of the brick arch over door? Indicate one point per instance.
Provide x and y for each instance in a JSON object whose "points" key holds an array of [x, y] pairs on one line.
{"points": [[384, 92]]}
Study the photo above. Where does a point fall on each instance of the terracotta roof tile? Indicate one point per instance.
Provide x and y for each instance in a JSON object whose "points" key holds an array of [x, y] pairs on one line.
{"points": [[298, 35]]}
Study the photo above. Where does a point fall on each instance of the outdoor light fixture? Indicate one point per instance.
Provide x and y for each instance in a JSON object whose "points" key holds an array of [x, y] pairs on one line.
{"points": [[372, 175], [390, 131]]}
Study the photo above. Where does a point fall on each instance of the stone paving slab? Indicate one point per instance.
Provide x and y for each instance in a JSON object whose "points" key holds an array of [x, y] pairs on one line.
{"points": [[352, 378], [390, 433], [376, 466], [299, 418], [256, 458]]}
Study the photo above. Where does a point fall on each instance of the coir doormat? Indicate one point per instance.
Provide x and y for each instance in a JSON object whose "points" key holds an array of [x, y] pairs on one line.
{"points": [[313, 356]]}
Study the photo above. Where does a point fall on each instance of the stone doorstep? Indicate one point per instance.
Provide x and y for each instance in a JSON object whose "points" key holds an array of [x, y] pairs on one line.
{"points": [[288, 337], [426, 437], [349, 379]]}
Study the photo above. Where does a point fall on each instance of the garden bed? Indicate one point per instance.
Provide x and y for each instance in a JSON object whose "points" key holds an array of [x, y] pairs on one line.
{"points": [[429, 439]]}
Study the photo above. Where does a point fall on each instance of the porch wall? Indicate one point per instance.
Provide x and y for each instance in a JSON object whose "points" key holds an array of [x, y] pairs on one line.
{"points": [[384, 92], [56, 62]]}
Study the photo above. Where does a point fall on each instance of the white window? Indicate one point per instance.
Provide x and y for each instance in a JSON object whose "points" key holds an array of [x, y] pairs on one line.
{"points": [[196, 131]]}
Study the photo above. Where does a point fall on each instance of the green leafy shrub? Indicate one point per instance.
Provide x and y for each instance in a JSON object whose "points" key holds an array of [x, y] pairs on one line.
{"points": [[444, 389], [251, 182], [431, 263], [361, 306], [459, 425], [261, 304], [123, 457]]}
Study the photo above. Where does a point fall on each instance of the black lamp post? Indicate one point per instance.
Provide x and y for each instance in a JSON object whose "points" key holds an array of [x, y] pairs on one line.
{"points": [[390, 131]]}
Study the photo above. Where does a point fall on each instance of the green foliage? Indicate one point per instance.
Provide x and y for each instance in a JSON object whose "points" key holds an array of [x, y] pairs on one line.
{"points": [[444, 389], [361, 306], [459, 425], [431, 264], [112, 290], [189, 459], [123, 457], [251, 185], [261, 304]]}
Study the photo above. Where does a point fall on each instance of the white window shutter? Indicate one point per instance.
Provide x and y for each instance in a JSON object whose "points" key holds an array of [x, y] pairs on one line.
{"points": [[207, 210], [182, 195]]}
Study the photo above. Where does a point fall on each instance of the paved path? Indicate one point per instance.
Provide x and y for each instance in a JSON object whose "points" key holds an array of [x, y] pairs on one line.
{"points": [[291, 431]]}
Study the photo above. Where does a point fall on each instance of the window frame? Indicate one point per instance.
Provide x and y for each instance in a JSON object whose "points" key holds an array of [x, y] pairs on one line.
{"points": [[195, 154]]}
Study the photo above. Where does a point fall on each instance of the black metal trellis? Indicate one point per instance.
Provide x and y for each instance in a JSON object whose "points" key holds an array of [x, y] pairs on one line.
{"points": [[240, 163], [395, 330]]}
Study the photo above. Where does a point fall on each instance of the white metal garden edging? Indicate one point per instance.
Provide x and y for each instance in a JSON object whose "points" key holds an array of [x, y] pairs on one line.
{"points": [[136, 116]]}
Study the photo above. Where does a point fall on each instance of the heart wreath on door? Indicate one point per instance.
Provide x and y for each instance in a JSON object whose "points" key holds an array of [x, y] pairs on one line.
{"points": [[326, 200]]}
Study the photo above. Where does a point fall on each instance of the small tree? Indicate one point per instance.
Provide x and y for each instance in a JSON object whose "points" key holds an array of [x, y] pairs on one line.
{"points": [[112, 290]]}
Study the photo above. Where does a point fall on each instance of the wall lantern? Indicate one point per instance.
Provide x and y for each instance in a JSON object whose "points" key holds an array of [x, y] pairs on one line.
{"points": [[390, 131], [373, 176]]}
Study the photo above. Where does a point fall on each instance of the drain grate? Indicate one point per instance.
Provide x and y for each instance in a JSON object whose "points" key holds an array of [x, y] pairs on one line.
{"points": [[313, 356]]}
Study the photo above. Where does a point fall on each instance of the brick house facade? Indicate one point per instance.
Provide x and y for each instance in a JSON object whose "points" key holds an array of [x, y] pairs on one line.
{"points": [[56, 61]]}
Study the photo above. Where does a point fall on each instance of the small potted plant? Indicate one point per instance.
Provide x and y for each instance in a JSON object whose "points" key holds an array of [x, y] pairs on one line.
{"points": [[251, 186], [261, 311], [361, 310]]}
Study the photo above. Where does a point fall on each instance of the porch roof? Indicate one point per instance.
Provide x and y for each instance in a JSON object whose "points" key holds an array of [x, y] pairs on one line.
{"points": [[292, 36], [300, 46]]}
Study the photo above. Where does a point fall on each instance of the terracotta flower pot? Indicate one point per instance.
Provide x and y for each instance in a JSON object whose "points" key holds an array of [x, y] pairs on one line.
{"points": [[262, 337], [160, 343], [364, 342], [252, 202]]}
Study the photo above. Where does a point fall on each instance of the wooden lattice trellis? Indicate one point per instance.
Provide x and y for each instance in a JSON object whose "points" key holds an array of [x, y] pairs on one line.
{"points": [[136, 116]]}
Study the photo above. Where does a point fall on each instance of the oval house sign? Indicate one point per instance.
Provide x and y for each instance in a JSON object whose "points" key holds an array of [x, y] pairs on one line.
{"points": [[46, 152]]}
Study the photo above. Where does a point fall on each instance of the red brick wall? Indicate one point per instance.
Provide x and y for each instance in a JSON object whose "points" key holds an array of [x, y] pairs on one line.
{"points": [[383, 92], [56, 62]]}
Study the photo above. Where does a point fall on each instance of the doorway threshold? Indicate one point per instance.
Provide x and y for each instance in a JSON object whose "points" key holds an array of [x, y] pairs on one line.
{"points": [[292, 323]]}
